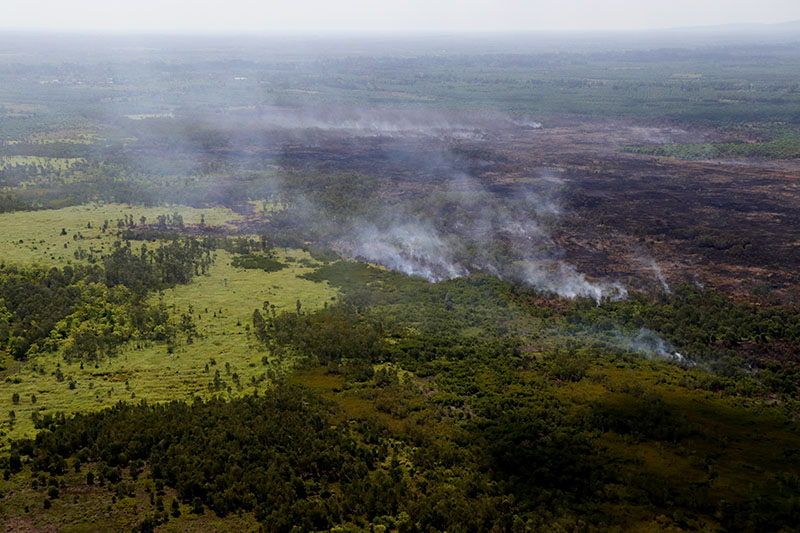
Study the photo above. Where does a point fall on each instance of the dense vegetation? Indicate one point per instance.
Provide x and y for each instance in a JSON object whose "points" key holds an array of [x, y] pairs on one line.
{"points": [[276, 455], [482, 433], [88, 311], [166, 265], [262, 262]]}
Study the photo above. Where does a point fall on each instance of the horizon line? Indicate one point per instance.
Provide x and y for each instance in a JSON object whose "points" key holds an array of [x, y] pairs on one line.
{"points": [[266, 32]]}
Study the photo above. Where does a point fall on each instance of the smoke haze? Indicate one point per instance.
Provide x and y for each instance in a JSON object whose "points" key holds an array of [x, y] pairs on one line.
{"points": [[457, 225]]}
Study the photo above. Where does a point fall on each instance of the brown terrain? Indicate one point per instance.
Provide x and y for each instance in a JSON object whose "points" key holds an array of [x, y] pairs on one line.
{"points": [[732, 225]]}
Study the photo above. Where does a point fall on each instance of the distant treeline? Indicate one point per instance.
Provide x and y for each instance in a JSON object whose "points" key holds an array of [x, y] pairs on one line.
{"points": [[784, 147]]}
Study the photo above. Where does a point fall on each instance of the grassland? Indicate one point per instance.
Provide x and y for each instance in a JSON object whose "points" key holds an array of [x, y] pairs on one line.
{"points": [[35, 237], [222, 304], [145, 116]]}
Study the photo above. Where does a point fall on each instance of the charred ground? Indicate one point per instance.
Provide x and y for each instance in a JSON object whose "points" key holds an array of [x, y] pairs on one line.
{"points": [[728, 223]]}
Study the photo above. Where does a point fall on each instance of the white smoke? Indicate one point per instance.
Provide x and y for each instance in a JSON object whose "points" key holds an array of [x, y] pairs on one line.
{"points": [[532, 124], [528, 230], [365, 122], [658, 273], [650, 344], [414, 249], [647, 262], [564, 280], [424, 249], [462, 226]]}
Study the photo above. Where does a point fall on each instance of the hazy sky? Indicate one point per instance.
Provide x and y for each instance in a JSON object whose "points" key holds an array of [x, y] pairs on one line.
{"points": [[383, 15]]}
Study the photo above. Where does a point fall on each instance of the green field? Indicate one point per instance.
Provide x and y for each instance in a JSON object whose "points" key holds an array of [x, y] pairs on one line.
{"points": [[35, 237], [222, 301]]}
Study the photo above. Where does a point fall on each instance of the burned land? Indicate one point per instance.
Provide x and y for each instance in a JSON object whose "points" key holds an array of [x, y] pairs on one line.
{"points": [[730, 223]]}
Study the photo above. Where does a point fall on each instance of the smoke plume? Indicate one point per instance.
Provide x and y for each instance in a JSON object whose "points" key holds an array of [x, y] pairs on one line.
{"points": [[650, 345], [457, 223]]}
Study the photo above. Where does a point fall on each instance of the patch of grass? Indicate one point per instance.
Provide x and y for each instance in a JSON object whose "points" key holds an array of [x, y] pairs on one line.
{"points": [[785, 147], [222, 306], [145, 116], [351, 276], [68, 136], [35, 237]]}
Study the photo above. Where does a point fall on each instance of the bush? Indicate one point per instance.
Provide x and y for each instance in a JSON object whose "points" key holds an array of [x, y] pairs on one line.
{"points": [[568, 366]]}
